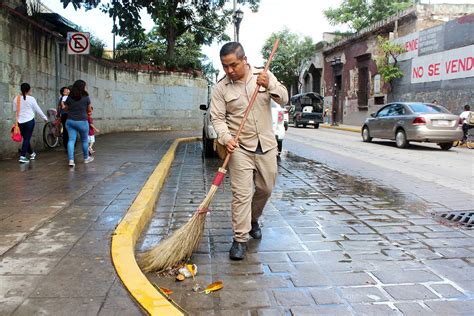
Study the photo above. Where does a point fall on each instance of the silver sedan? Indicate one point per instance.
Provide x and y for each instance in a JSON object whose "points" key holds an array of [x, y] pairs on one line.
{"points": [[412, 121]]}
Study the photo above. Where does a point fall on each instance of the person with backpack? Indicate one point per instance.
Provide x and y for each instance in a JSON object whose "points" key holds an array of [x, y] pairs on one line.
{"points": [[468, 121]]}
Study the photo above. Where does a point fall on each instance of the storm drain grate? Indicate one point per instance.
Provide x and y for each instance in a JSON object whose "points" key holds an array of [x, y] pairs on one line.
{"points": [[464, 218]]}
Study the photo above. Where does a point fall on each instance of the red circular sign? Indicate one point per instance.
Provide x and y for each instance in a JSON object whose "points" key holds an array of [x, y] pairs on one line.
{"points": [[78, 43]]}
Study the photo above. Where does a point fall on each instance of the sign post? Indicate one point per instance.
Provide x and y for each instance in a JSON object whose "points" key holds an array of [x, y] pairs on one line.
{"points": [[78, 43]]}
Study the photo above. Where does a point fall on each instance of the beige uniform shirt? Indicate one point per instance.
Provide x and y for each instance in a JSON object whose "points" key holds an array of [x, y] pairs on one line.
{"points": [[229, 101]]}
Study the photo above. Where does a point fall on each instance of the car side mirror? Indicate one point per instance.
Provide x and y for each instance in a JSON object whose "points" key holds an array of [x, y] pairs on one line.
{"points": [[203, 107], [373, 114]]}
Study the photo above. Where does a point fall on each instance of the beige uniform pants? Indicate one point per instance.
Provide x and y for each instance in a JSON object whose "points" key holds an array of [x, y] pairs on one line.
{"points": [[252, 179]]}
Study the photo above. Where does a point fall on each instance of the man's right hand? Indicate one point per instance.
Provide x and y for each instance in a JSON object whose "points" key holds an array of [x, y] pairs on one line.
{"points": [[231, 145]]}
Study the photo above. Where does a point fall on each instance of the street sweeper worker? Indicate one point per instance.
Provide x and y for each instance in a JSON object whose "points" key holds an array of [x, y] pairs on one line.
{"points": [[253, 160]]}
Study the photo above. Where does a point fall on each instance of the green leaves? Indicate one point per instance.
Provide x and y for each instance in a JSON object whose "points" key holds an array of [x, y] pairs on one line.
{"points": [[292, 52], [389, 71], [358, 14]]}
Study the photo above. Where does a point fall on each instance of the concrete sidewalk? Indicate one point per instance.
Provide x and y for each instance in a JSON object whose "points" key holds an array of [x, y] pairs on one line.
{"points": [[56, 223], [342, 127]]}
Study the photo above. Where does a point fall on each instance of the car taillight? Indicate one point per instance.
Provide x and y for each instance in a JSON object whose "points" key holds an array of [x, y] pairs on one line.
{"points": [[280, 117], [419, 121], [460, 121]]}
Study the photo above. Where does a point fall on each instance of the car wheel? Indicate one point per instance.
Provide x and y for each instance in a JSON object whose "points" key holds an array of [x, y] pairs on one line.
{"points": [[401, 139], [445, 146], [304, 125], [316, 126], [366, 135], [207, 146], [280, 146]]}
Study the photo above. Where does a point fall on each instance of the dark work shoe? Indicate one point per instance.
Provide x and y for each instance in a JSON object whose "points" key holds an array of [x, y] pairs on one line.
{"points": [[237, 251], [255, 232]]}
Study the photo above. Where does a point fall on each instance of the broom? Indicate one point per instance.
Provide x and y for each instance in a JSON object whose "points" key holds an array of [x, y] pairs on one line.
{"points": [[181, 244]]}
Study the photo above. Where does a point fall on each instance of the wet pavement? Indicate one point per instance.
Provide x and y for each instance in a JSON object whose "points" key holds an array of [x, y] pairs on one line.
{"points": [[332, 244], [56, 224]]}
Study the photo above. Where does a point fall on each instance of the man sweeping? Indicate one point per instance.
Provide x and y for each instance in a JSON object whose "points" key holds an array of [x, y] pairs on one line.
{"points": [[253, 163]]}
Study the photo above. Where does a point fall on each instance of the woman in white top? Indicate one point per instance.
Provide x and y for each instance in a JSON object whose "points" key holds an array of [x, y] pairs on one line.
{"points": [[26, 120]]}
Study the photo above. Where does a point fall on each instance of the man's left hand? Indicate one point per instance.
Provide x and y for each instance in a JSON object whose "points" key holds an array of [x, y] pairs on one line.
{"points": [[263, 79]]}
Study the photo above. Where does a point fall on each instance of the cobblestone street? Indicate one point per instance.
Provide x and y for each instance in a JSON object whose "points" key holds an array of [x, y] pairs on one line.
{"points": [[332, 244]]}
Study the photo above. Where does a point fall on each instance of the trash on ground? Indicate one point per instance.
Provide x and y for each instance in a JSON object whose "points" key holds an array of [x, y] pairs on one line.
{"points": [[216, 286]]}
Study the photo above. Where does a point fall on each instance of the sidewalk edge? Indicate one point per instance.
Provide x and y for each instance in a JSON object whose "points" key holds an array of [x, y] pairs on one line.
{"points": [[129, 230], [341, 128]]}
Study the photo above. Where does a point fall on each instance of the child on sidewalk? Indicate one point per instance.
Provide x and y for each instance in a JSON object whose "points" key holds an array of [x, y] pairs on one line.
{"points": [[92, 131]]}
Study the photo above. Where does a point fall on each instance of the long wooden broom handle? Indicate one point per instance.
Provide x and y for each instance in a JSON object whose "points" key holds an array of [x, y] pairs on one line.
{"points": [[252, 101]]}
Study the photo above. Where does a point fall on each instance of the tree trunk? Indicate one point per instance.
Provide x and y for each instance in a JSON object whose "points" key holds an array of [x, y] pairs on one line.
{"points": [[171, 29]]}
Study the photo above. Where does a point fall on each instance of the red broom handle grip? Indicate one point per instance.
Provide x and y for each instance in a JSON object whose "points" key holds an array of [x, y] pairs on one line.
{"points": [[252, 101]]}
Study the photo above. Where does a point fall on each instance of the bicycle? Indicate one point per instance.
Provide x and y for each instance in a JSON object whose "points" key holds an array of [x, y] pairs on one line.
{"points": [[469, 142], [52, 130]]}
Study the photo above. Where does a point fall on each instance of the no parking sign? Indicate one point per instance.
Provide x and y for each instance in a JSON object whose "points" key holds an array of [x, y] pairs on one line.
{"points": [[78, 43]]}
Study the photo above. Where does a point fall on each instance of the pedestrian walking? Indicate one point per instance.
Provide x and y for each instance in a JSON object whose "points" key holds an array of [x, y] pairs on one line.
{"points": [[253, 164], [466, 124], [78, 104], [28, 108], [64, 91], [326, 115], [92, 131]]}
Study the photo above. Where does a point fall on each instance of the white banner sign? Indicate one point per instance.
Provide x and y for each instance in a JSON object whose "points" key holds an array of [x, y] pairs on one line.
{"points": [[78, 43], [450, 64], [410, 43]]}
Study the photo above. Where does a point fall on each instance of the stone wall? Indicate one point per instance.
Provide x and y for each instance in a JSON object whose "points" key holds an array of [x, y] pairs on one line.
{"points": [[123, 99]]}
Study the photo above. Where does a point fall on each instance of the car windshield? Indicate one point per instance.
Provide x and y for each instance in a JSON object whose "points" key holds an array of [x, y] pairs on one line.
{"points": [[427, 108]]}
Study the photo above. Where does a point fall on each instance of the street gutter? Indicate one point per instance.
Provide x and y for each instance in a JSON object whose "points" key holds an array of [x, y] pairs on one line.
{"points": [[129, 230]]}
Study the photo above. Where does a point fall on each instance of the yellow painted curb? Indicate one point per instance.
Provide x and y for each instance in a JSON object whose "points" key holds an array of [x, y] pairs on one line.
{"points": [[348, 129], [129, 230]]}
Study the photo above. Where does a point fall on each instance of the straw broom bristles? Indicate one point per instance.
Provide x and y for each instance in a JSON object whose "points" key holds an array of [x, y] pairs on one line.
{"points": [[181, 244]]}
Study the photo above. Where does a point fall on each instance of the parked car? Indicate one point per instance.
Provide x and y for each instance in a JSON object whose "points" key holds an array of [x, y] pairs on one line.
{"points": [[413, 121], [306, 109], [278, 124], [209, 133]]}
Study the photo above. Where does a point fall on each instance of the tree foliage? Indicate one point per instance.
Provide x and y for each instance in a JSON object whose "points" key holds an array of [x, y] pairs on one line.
{"points": [[151, 49], [387, 70], [358, 14], [292, 52], [206, 20]]}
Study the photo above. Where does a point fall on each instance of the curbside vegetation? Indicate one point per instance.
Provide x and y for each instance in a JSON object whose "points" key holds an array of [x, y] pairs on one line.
{"points": [[129, 230]]}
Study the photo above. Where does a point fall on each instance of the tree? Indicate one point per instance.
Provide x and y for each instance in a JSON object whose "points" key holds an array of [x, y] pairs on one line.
{"points": [[205, 19], [292, 52], [387, 69], [358, 14]]}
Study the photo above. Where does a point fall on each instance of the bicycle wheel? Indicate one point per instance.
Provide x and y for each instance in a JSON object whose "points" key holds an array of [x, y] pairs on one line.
{"points": [[470, 142], [49, 135]]}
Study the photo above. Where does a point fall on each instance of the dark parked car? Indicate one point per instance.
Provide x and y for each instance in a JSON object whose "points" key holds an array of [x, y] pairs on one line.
{"points": [[306, 109], [413, 121]]}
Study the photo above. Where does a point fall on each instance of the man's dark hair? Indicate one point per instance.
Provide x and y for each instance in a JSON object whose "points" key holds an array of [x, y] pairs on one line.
{"points": [[467, 107], [232, 48]]}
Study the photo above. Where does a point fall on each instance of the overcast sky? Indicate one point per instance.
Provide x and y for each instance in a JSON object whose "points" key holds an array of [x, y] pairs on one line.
{"points": [[304, 17]]}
